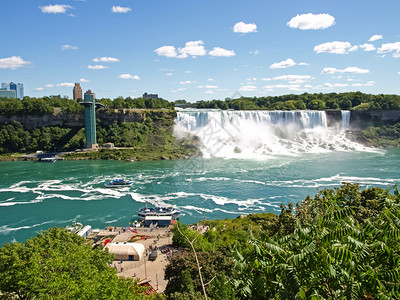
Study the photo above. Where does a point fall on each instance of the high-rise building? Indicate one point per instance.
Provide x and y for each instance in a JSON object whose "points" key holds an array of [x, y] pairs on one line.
{"points": [[18, 88], [77, 92], [20, 91], [8, 94], [89, 102], [4, 86]]}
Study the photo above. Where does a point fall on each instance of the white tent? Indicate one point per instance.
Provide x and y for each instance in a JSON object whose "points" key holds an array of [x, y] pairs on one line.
{"points": [[126, 251]]}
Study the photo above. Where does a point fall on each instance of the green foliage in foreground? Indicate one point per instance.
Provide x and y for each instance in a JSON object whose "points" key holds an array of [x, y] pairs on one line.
{"points": [[341, 244], [333, 252], [183, 277], [58, 265]]}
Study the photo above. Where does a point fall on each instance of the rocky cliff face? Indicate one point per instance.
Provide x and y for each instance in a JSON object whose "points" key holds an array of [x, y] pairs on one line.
{"points": [[358, 119], [73, 121], [363, 119]]}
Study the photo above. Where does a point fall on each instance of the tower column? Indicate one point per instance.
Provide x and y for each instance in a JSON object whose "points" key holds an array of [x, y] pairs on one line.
{"points": [[90, 120]]}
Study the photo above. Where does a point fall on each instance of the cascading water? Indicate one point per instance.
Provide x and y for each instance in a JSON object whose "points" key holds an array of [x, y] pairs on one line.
{"points": [[345, 119], [260, 134]]}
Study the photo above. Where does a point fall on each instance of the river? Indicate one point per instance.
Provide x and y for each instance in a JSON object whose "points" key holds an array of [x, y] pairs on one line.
{"points": [[245, 175]]}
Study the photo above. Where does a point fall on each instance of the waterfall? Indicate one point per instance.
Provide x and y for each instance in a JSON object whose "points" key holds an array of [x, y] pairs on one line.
{"points": [[345, 119], [260, 134]]}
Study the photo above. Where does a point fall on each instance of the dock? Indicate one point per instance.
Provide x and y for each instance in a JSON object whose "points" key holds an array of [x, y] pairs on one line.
{"points": [[148, 272]]}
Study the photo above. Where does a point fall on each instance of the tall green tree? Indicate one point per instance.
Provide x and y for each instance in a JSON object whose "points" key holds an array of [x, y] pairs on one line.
{"points": [[58, 265]]}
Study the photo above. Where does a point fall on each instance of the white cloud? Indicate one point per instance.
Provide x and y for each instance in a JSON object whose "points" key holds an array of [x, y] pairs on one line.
{"points": [[84, 80], [12, 62], [178, 90], [169, 74], [55, 9], [351, 70], [242, 27], [206, 87], [255, 52], [97, 67], [39, 89], [293, 77], [188, 72], [68, 47], [210, 79], [49, 85], [354, 48], [167, 51], [333, 47], [186, 82], [217, 51], [129, 76], [193, 48], [105, 59], [334, 85], [248, 88], [369, 83], [283, 86], [283, 64], [65, 84], [390, 47], [375, 38], [208, 92], [120, 10], [311, 21], [368, 47], [303, 64]]}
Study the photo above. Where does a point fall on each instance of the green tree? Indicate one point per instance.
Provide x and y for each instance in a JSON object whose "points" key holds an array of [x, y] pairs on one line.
{"points": [[58, 265], [330, 254]]}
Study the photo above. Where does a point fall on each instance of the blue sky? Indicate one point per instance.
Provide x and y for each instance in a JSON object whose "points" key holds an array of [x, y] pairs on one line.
{"points": [[194, 50]]}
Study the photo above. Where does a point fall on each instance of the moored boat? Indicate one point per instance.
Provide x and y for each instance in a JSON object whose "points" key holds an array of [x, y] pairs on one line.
{"points": [[47, 159], [158, 212]]}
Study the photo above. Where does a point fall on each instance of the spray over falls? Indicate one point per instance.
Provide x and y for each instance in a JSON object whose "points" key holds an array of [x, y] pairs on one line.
{"points": [[261, 134]]}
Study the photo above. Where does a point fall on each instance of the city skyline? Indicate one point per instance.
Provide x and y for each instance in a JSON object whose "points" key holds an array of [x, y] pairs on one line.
{"points": [[208, 50]]}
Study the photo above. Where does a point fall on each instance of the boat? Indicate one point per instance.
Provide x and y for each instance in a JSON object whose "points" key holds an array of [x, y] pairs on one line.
{"points": [[118, 182], [74, 227], [158, 212], [48, 159]]}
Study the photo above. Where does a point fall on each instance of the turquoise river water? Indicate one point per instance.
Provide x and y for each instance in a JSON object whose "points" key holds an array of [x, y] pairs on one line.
{"points": [[37, 196], [252, 162]]}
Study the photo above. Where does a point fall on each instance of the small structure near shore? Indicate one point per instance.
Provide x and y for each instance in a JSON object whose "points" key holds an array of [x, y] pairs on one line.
{"points": [[126, 251]]}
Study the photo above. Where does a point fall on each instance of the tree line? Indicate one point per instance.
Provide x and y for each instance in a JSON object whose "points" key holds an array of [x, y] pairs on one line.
{"points": [[316, 101], [47, 105]]}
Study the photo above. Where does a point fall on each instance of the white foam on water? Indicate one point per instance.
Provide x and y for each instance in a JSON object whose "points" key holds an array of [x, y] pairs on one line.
{"points": [[5, 229], [20, 203]]}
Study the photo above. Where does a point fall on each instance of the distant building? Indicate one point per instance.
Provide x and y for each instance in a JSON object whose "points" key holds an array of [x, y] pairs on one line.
{"points": [[77, 92], [150, 96], [108, 145], [8, 94], [4, 86], [18, 88]]}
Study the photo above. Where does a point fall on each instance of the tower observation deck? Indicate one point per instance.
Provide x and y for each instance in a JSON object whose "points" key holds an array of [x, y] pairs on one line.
{"points": [[89, 102]]}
